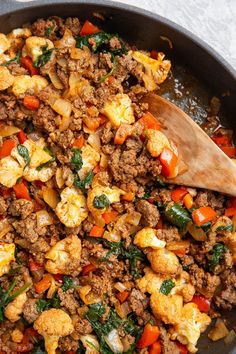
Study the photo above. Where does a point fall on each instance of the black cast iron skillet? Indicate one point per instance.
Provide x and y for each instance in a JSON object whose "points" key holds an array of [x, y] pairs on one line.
{"points": [[198, 71]]}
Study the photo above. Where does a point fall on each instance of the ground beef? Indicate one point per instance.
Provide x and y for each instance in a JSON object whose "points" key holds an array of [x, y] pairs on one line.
{"points": [[209, 198], [165, 195], [204, 282], [169, 235], [106, 133], [3, 206], [68, 301], [150, 213], [28, 228], [44, 118], [168, 346], [30, 312], [73, 24], [227, 296], [16, 69], [39, 27], [138, 302], [64, 139], [82, 326], [68, 344], [41, 245], [21, 208]]}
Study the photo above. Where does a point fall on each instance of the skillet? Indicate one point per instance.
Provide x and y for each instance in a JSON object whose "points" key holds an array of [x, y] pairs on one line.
{"points": [[198, 71]]}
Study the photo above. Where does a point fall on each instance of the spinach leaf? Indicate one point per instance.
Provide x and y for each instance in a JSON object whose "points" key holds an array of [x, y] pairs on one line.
{"points": [[95, 312], [166, 286], [177, 215], [13, 60], [76, 159], [146, 195], [103, 78], [101, 201], [160, 182], [81, 349], [68, 283], [225, 227], [217, 254], [85, 184], [24, 152], [99, 42], [44, 57], [135, 331], [7, 296], [206, 227], [42, 304], [46, 164], [116, 248], [49, 30]]}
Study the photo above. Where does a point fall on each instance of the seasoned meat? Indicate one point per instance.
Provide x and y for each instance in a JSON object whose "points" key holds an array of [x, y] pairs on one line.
{"points": [[21, 207], [150, 213]]}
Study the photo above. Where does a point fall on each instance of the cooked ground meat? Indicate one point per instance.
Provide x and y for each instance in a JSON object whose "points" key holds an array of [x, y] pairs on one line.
{"points": [[82, 326], [3, 206], [169, 235], [204, 281], [21, 208], [30, 312], [150, 213], [227, 296], [68, 301], [138, 302], [28, 228], [168, 347]]}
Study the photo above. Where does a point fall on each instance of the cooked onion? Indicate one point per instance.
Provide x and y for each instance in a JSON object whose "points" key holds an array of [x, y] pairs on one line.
{"points": [[65, 122], [234, 223], [52, 289], [196, 232], [94, 141], [66, 41], [112, 236], [114, 342], [4, 227], [103, 161], [59, 178], [90, 343], [167, 40], [7, 130], [55, 80], [119, 286], [50, 196], [43, 218], [133, 218], [230, 337], [178, 245], [87, 296], [62, 107]]}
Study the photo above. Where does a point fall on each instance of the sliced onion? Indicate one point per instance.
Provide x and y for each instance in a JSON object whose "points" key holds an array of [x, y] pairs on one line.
{"points": [[52, 289], [94, 141], [114, 342], [178, 245], [87, 296], [196, 232], [120, 287], [66, 41], [112, 236], [4, 227], [7, 130], [62, 107], [230, 337], [50, 196], [126, 308], [59, 179], [55, 80], [90, 343], [103, 161], [65, 122], [133, 218], [43, 218], [62, 62]]}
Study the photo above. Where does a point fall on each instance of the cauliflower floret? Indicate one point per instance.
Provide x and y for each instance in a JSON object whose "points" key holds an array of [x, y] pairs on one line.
{"points": [[7, 254], [155, 70], [90, 343], [190, 325], [167, 308], [64, 256], [19, 33], [6, 78], [90, 158], [164, 261], [157, 141], [15, 308], [23, 83], [4, 43], [112, 194], [10, 171], [34, 46], [53, 324], [147, 237], [183, 287], [72, 209], [231, 243], [119, 110]]}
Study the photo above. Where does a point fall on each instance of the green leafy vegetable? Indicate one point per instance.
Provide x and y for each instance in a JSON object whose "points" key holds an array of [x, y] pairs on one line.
{"points": [[99, 42], [43, 305], [68, 283], [24, 152], [177, 215], [49, 30], [225, 228], [146, 195], [160, 182], [101, 201], [48, 163], [135, 331], [44, 57], [206, 227], [76, 159], [217, 254], [13, 60], [7, 296], [166, 286], [38, 349], [103, 78], [85, 184]]}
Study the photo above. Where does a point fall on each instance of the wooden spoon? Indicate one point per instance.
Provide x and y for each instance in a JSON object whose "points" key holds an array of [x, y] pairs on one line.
{"points": [[207, 165]]}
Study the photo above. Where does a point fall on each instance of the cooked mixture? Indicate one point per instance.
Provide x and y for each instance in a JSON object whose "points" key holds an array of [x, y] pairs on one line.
{"points": [[98, 252]]}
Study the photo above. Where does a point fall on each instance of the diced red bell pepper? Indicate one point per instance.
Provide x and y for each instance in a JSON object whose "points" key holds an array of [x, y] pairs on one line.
{"points": [[97, 231], [203, 215], [110, 216], [149, 121], [31, 102], [230, 212], [122, 296], [221, 140], [154, 54], [169, 161], [178, 194], [27, 63], [155, 348], [21, 137], [79, 142], [230, 151], [149, 336], [88, 28], [202, 303], [88, 268], [21, 191], [33, 266], [43, 284], [58, 278], [122, 133], [6, 148]]}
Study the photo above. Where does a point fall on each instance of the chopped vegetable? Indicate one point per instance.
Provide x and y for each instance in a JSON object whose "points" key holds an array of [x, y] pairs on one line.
{"points": [[68, 283], [96, 231], [21, 191], [76, 159], [43, 284], [101, 201], [203, 215], [188, 201], [24, 152], [88, 28], [27, 63], [202, 303], [16, 59], [177, 215], [42, 304], [149, 336], [155, 348], [230, 212], [31, 102], [182, 348], [178, 194], [128, 197], [6, 148], [88, 268], [122, 133], [216, 255], [44, 57], [110, 216], [169, 161], [21, 137], [79, 142], [85, 184], [122, 296], [230, 151], [167, 286], [148, 121]]}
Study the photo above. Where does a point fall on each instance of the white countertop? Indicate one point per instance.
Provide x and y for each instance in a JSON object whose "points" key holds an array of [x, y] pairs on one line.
{"points": [[214, 21]]}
